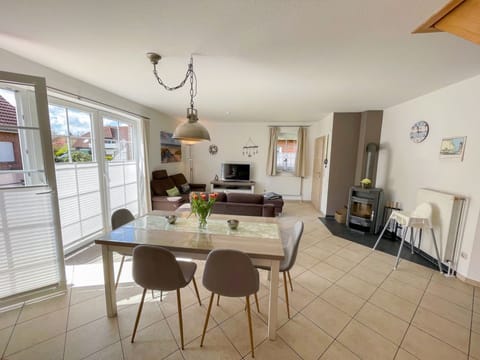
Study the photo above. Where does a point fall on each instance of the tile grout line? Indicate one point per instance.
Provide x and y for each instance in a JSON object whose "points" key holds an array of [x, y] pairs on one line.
{"points": [[471, 323], [13, 329], [68, 316]]}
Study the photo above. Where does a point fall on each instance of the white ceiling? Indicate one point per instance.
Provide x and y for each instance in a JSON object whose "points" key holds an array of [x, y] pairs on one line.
{"points": [[255, 60]]}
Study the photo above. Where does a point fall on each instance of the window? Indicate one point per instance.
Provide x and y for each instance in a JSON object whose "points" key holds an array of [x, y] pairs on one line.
{"points": [[90, 185], [286, 150]]}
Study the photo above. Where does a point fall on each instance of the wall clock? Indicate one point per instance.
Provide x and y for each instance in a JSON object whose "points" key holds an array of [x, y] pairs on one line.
{"points": [[213, 149], [419, 131]]}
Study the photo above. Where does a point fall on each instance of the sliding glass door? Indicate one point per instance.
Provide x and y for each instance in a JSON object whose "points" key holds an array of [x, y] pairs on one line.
{"points": [[31, 253]]}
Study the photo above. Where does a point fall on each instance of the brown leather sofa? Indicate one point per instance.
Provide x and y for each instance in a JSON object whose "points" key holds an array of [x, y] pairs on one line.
{"points": [[243, 204], [161, 182]]}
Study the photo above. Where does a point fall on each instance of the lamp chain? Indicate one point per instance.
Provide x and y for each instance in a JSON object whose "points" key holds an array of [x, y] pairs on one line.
{"points": [[189, 74]]}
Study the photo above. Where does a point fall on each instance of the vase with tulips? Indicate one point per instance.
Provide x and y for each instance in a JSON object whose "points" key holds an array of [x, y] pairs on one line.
{"points": [[201, 205]]}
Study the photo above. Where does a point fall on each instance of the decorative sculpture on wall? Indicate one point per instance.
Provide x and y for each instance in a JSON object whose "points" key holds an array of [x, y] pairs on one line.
{"points": [[250, 149]]}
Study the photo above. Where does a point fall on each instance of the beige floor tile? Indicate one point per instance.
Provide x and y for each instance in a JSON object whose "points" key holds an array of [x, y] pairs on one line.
{"points": [[112, 352], [417, 269], [169, 304], [80, 294], [296, 270], [442, 329], [45, 306], [410, 278], [298, 298], [368, 274], [366, 343], [359, 287], [9, 318], [403, 290], [446, 309], [453, 283], [393, 304], [340, 263], [359, 248], [282, 316], [277, 350], [382, 322], [90, 338], [86, 311], [326, 316], [236, 330], [351, 255], [37, 330], [153, 342], [475, 346], [306, 260], [5, 334], [476, 322], [300, 333], [337, 351], [425, 346], [193, 321], [51, 349], [327, 271], [313, 282], [228, 307], [445, 292], [476, 303], [377, 264], [343, 299], [403, 355], [216, 346], [177, 355], [151, 313], [318, 252], [327, 245]]}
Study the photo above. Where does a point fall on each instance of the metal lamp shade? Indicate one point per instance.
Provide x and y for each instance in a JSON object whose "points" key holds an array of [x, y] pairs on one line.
{"points": [[191, 131]]}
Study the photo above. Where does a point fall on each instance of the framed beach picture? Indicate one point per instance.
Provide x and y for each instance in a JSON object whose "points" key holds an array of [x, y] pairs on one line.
{"points": [[170, 149], [453, 148]]}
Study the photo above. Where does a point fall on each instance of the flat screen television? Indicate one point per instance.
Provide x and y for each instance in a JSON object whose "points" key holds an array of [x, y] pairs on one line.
{"points": [[235, 172]]}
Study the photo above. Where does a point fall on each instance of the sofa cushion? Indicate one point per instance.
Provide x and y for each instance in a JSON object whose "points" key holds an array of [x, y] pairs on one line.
{"points": [[159, 174], [178, 179], [245, 198], [221, 197], [173, 191], [160, 186], [184, 188]]}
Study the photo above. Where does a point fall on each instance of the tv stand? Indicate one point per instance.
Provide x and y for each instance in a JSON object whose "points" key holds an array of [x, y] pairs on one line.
{"points": [[232, 186]]}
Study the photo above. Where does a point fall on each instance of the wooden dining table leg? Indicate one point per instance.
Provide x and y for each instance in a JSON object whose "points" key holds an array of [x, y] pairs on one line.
{"points": [[273, 301], [109, 280]]}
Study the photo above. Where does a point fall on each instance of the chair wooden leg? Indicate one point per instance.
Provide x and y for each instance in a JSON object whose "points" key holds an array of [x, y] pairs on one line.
{"points": [[290, 280], [196, 291], [140, 307], [218, 299], [180, 321], [256, 302], [249, 315], [119, 272], [206, 319], [286, 293]]}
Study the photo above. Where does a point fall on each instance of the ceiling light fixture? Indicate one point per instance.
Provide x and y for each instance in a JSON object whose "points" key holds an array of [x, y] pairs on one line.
{"points": [[191, 131]]}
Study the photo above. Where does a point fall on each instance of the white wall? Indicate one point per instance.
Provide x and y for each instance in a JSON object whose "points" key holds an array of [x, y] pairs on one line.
{"points": [[13, 63], [404, 166], [230, 139]]}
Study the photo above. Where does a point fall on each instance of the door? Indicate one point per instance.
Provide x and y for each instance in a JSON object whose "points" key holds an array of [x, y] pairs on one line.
{"points": [[317, 180], [31, 256]]}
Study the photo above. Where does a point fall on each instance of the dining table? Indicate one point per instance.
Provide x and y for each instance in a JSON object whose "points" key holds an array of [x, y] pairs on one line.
{"points": [[258, 237]]}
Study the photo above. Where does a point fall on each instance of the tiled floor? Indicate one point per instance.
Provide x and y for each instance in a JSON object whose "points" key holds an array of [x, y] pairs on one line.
{"points": [[347, 303]]}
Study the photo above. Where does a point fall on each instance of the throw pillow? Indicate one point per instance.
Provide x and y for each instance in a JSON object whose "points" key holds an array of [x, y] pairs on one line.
{"points": [[173, 191], [185, 188]]}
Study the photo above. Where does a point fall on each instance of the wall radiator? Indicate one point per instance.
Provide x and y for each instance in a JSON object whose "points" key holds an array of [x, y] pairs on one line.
{"points": [[284, 185], [447, 219]]}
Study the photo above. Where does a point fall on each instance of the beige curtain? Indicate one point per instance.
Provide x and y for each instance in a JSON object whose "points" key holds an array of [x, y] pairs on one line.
{"points": [[272, 152], [301, 159], [145, 187]]}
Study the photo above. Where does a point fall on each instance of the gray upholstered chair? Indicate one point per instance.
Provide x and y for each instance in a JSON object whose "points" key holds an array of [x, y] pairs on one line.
{"points": [[121, 217], [156, 268], [230, 273], [290, 240]]}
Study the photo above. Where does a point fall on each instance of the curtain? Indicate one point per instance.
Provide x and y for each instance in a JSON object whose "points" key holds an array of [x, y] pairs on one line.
{"points": [[144, 156], [272, 151], [301, 158]]}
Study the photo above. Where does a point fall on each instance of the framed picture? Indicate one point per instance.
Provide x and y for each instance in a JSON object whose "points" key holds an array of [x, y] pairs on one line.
{"points": [[170, 149], [453, 148]]}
